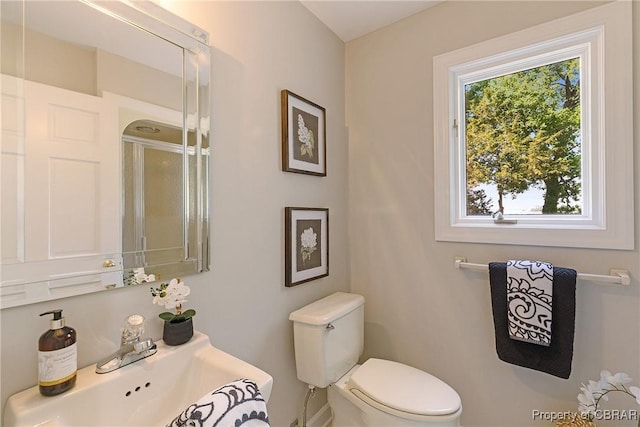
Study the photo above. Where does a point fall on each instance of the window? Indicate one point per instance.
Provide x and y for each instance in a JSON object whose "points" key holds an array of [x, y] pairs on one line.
{"points": [[523, 141], [534, 138]]}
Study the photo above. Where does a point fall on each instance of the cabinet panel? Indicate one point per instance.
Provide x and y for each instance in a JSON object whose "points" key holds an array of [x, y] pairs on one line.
{"points": [[60, 193]]}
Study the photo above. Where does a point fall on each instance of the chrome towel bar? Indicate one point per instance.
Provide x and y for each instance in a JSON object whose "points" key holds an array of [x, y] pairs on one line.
{"points": [[615, 277]]}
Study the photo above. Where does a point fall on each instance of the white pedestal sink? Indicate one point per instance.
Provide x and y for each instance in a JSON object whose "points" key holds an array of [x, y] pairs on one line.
{"points": [[150, 392]]}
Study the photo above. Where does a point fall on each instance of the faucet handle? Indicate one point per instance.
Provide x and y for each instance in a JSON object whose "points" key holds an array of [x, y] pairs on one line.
{"points": [[132, 329], [143, 345]]}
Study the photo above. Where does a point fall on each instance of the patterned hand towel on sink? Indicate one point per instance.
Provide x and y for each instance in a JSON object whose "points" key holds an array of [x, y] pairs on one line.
{"points": [[529, 301], [234, 404]]}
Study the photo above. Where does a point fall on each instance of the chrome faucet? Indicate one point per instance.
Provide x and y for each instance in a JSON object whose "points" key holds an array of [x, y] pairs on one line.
{"points": [[132, 347]]}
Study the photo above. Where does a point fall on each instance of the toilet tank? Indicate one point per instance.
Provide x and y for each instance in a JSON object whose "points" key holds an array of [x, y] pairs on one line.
{"points": [[328, 337]]}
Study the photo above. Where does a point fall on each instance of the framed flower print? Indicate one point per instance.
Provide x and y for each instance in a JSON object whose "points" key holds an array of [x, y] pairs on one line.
{"points": [[303, 135], [306, 244]]}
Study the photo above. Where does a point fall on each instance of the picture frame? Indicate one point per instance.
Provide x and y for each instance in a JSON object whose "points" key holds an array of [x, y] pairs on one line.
{"points": [[306, 244], [303, 135]]}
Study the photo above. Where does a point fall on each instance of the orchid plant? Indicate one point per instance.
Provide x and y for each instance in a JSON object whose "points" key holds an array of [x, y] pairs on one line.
{"points": [[138, 276], [171, 295], [596, 391]]}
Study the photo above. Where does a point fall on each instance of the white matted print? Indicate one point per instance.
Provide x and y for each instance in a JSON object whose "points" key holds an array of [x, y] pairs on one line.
{"points": [[306, 244], [303, 135]]}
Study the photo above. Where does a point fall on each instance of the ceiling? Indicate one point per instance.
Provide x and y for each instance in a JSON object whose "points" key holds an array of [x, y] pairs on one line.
{"points": [[350, 19]]}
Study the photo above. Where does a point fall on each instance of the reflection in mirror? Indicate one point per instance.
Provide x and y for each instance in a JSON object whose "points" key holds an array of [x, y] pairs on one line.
{"points": [[87, 195], [158, 222]]}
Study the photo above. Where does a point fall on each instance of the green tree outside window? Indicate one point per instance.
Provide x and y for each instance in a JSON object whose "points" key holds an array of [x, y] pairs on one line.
{"points": [[522, 131]]}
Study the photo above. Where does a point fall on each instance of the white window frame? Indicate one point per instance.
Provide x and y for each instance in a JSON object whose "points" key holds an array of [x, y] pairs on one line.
{"points": [[602, 38]]}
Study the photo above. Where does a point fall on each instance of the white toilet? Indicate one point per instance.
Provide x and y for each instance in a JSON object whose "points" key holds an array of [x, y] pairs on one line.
{"points": [[329, 338]]}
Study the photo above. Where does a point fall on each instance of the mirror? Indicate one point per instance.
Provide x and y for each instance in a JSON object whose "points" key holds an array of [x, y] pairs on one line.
{"points": [[105, 145]]}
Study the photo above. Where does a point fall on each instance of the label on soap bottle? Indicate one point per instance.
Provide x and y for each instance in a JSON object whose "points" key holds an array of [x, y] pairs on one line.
{"points": [[57, 366]]}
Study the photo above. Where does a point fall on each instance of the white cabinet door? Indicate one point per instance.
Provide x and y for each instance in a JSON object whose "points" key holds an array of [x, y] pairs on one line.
{"points": [[69, 196], [12, 170]]}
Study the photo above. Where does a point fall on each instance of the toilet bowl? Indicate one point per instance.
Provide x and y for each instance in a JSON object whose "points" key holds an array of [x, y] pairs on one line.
{"points": [[383, 393], [328, 340]]}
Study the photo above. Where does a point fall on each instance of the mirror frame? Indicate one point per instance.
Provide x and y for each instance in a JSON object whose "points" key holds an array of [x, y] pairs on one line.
{"points": [[149, 17]]}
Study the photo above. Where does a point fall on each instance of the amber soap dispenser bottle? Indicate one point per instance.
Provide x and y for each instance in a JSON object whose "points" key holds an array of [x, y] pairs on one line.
{"points": [[57, 357]]}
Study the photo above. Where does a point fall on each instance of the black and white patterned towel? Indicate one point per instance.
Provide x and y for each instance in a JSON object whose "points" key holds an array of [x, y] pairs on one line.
{"points": [[236, 404], [529, 301]]}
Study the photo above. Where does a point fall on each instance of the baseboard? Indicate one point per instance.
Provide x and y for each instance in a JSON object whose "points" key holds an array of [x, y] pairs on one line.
{"points": [[322, 418]]}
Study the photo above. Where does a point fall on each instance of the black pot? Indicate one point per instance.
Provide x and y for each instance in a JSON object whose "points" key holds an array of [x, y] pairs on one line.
{"points": [[177, 333]]}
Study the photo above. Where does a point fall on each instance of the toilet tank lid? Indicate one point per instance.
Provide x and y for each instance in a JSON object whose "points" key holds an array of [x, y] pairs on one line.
{"points": [[327, 309]]}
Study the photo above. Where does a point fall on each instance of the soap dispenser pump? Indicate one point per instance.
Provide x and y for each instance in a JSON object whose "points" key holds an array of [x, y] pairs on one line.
{"points": [[57, 357]]}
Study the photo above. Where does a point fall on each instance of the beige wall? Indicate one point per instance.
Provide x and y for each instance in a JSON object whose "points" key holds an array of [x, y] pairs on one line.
{"points": [[59, 63], [258, 49], [91, 71], [47, 60], [136, 80], [419, 309]]}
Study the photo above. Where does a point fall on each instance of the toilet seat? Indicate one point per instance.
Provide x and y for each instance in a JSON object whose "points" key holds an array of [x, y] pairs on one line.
{"points": [[404, 391]]}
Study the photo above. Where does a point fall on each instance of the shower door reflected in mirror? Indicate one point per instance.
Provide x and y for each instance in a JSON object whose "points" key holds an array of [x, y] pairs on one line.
{"points": [[159, 231]]}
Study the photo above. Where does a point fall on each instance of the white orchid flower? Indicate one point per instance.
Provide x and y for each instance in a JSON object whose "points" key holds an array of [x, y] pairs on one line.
{"points": [[141, 277], [596, 388], [587, 401], [636, 393], [160, 300], [607, 380], [171, 295], [595, 391], [176, 293]]}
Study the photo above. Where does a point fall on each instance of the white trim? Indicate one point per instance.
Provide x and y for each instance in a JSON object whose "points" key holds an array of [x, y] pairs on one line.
{"points": [[586, 46], [602, 37], [322, 418], [131, 109]]}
